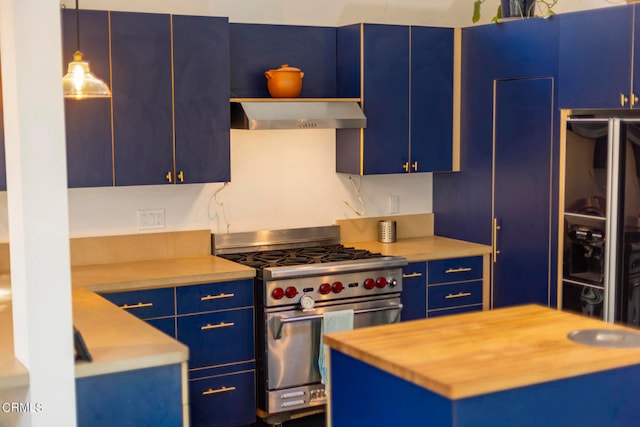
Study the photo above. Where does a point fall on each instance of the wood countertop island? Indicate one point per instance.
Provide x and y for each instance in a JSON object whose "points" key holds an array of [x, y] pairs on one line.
{"points": [[506, 367]]}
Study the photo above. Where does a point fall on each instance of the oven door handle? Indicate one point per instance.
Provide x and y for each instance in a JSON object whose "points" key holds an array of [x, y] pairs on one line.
{"points": [[280, 321]]}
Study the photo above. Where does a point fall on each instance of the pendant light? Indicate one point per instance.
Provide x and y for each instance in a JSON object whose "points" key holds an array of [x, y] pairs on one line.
{"points": [[79, 82]]}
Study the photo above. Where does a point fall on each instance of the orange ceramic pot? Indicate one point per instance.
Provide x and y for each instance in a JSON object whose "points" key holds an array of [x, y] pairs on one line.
{"points": [[285, 82]]}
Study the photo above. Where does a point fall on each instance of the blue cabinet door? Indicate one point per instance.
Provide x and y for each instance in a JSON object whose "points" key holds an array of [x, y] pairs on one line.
{"points": [[145, 304], [217, 338], [455, 270], [214, 296], [595, 58], [202, 79], [88, 121], [431, 99], [142, 397], [142, 115], [223, 400], [636, 57], [414, 291], [454, 295], [523, 147], [386, 98]]}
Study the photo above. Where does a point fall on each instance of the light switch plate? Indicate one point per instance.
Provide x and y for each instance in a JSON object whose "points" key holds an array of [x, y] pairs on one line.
{"points": [[150, 219], [394, 204]]}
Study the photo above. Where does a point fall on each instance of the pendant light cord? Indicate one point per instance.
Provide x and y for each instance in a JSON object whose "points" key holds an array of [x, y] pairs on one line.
{"points": [[77, 26]]}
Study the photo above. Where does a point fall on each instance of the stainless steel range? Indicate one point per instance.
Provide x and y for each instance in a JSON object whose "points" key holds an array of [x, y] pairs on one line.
{"points": [[302, 274]]}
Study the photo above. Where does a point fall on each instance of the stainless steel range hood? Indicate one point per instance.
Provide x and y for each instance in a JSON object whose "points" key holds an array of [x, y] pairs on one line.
{"points": [[274, 114]]}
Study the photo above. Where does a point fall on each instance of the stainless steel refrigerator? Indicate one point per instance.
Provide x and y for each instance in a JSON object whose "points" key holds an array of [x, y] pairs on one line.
{"points": [[599, 180]]}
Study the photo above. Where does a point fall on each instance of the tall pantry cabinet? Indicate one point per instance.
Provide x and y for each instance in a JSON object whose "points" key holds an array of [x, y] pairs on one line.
{"points": [[506, 190]]}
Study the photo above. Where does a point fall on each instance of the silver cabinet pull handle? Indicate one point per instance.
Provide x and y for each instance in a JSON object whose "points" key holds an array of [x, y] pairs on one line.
{"points": [[222, 295]]}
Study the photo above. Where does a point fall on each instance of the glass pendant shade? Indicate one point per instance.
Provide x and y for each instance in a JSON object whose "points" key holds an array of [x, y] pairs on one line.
{"points": [[80, 83]]}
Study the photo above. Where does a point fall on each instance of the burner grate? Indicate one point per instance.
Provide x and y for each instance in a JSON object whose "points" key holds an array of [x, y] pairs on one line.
{"points": [[301, 256]]}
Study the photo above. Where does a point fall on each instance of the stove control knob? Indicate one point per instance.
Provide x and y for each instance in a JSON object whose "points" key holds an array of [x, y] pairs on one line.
{"points": [[393, 283], [277, 293], [325, 288], [337, 287], [381, 282], [291, 292], [306, 302], [369, 284]]}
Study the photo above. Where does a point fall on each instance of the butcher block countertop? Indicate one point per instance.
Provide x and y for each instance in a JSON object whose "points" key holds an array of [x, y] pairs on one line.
{"points": [[126, 276], [477, 353], [425, 248], [414, 235], [118, 341]]}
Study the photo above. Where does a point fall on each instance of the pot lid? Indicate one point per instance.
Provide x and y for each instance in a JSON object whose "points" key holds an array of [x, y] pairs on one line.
{"points": [[286, 67]]}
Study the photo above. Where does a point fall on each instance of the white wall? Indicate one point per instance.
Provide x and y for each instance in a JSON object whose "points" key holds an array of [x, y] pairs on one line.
{"points": [[278, 178]]}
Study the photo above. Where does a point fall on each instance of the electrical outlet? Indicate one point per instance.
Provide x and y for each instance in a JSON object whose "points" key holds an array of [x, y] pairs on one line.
{"points": [[150, 219], [394, 204]]}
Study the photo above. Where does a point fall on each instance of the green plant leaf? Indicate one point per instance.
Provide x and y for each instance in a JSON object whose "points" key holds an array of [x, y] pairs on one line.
{"points": [[498, 15], [476, 11]]}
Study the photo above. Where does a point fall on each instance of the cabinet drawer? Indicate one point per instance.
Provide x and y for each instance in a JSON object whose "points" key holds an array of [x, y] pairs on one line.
{"points": [[145, 304], [164, 324], [454, 295], [217, 338], [214, 296], [456, 310], [226, 400], [455, 270]]}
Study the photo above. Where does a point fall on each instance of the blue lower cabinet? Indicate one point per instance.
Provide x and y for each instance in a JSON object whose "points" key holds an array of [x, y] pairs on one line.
{"points": [[214, 296], [455, 270], [143, 397], [414, 291], [611, 397], [454, 294], [217, 338], [456, 310], [164, 324], [224, 400], [145, 304]]}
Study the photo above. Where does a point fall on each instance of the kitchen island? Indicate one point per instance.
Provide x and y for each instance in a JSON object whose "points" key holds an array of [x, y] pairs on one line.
{"points": [[508, 367]]}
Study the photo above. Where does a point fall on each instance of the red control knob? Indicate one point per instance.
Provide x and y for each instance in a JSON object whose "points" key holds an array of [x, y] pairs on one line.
{"points": [[291, 292], [369, 284], [337, 287], [325, 288], [381, 282], [277, 293]]}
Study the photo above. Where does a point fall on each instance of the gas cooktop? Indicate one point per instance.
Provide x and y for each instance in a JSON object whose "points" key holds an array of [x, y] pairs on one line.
{"points": [[300, 256]]}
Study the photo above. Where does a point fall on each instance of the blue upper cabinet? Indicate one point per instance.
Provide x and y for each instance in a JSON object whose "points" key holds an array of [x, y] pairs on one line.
{"points": [[595, 53], [201, 74], [431, 90], [142, 113], [256, 48], [170, 98], [406, 85], [88, 122]]}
